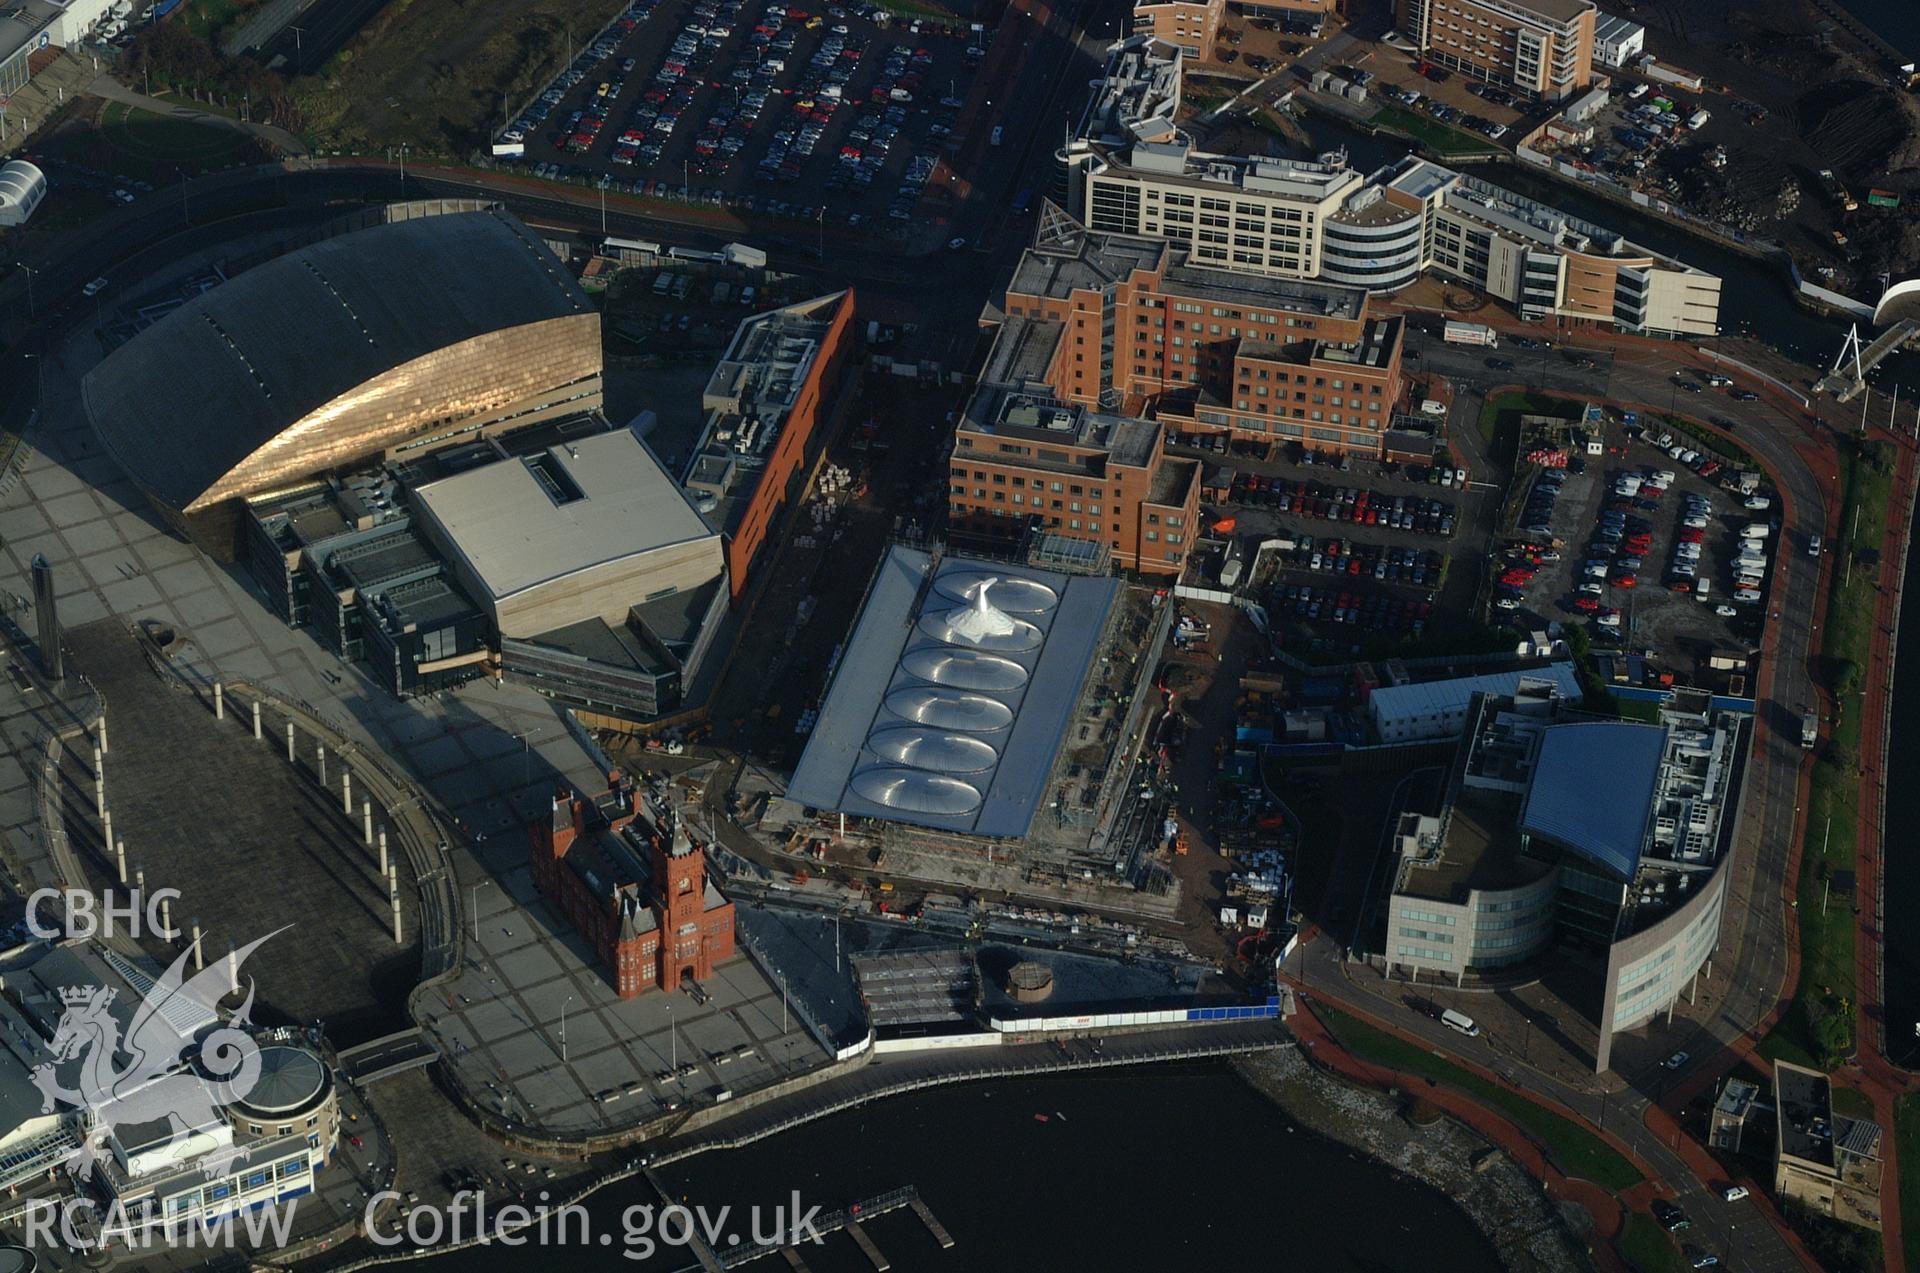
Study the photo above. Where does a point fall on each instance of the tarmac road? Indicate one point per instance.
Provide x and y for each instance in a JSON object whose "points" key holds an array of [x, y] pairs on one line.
{"points": [[1754, 947]]}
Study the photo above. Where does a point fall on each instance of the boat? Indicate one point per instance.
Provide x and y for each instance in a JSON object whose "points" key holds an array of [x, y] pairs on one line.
{"points": [[1039, 1118]]}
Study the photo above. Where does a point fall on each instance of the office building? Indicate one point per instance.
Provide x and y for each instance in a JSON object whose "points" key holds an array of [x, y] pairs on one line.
{"points": [[1131, 170], [1118, 322], [1427, 710], [376, 343], [31, 29], [219, 1151], [1524, 856], [1617, 41], [764, 405], [1541, 261], [1543, 48], [1024, 462], [1195, 25], [1822, 1160], [627, 875], [1189, 26]]}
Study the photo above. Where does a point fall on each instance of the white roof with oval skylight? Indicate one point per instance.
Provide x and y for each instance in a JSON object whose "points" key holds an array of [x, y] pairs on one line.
{"points": [[954, 694]]}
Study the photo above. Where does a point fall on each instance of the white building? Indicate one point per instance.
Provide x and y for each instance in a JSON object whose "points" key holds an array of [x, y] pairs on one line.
{"points": [[1438, 709], [22, 187], [580, 532], [1131, 170], [1617, 41]]}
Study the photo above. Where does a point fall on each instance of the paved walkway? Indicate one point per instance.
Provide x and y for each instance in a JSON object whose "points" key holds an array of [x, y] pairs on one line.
{"points": [[114, 91]]}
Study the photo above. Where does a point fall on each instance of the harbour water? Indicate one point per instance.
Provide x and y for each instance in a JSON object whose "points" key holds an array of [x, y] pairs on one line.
{"points": [[1172, 1167], [1895, 21], [1902, 942]]}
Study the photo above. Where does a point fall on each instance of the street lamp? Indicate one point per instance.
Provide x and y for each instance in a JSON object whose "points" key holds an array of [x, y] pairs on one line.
{"points": [[30, 273], [673, 1042], [1526, 1040], [473, 904], [563, 1028]]}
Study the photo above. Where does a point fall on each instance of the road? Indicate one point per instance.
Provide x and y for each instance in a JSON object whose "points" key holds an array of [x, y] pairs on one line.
{"points": [[945, 292], [1753, 973]]}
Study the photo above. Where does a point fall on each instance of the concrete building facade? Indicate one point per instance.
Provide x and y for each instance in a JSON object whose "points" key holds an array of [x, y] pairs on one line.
{"points": [[1545, 263], [1523, 858], [1541, 47], [1617, 40], [1822, 1160], [1131, 170]]}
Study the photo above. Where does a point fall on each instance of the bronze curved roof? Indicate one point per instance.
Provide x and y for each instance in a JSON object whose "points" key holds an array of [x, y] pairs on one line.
{"points": [[310, 343]]}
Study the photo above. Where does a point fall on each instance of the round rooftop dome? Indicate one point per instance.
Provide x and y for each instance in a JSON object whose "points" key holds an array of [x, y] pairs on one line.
{"points": [[1029, 981], [291, 1081], [18, 1259]]}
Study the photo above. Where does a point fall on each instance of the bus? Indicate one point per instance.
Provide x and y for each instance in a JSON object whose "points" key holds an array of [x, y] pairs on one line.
{"points": [[615, 246]]}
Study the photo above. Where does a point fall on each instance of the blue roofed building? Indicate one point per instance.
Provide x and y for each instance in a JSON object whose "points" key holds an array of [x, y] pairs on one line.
{"points": [[1562, 832]]}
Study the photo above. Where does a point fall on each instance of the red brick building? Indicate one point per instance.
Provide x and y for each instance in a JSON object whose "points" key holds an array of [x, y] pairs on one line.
{"points": [[634, 885]]}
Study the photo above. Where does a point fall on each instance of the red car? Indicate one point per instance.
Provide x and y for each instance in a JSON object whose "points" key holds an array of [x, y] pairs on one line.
{"points": [[1585, 604], [1624, 581], [1680, 585], [1689, 535]]}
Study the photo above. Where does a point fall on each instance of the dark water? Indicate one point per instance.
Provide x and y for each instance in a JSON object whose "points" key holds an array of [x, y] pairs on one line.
{"points": [[1902, 866], [1895, 21], [1175, 1168]]}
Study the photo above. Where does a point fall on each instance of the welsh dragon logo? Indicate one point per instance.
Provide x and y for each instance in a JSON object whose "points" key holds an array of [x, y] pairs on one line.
{"points": [[155, 1084]]}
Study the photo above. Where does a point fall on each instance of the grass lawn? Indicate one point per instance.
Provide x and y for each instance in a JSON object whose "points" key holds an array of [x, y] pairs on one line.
{"points": [[1714, 442], [1649, 1247], [1637, 709], [211, 19], [432, 76], [136, 144], [1827, 941], [1445, 140], [1853, 1104], [1906, 1131], [1577, 1151]]}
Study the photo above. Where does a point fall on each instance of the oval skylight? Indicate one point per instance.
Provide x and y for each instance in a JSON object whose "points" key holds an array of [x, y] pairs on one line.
{"points": [[915, 791], [934, 749], [949, 709], [964, 669]]}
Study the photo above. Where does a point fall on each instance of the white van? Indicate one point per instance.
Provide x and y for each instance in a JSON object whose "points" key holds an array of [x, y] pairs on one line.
{"points": [[1755, 530], [1460, 1021], [1701, 588]]}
